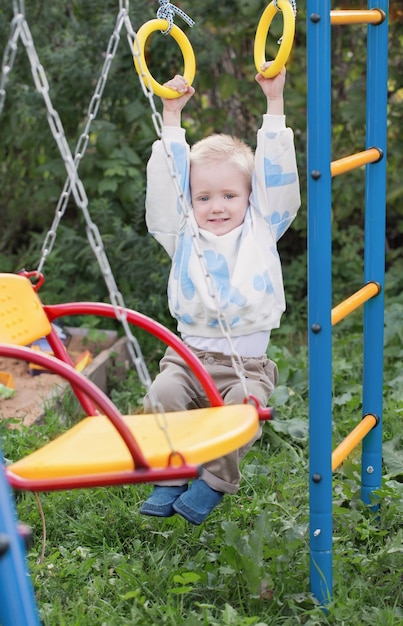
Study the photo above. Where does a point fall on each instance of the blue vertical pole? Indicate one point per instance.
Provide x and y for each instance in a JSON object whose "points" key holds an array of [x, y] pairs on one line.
{"points": [[320, 296], [17, 603], [374, 262]]}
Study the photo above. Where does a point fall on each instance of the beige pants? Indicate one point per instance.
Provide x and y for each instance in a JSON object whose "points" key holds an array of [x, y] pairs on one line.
{"points": [[178, 389]]}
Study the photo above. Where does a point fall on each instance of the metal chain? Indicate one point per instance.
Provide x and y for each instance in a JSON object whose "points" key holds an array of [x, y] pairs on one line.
{"points": [[82, 143], [19, 27], [236, 360], [10, 49]]}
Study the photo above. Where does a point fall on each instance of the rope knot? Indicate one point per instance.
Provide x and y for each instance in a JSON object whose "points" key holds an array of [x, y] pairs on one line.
{"points": [[167, 12]]}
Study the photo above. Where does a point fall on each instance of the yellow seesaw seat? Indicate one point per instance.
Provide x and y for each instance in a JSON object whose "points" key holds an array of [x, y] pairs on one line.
{"points": [[94, 446]]}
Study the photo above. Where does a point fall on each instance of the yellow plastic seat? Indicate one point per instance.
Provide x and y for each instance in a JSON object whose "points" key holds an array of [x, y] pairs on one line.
{"points": [[93, 446], [22, 318]]}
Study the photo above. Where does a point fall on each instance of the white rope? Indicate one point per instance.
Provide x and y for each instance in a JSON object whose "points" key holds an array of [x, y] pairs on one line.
{"points": [[167, 12], [292, 2], [294, 8]]}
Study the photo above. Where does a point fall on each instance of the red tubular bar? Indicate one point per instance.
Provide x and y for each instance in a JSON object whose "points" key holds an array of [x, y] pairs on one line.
{"points": [[101, 480]]}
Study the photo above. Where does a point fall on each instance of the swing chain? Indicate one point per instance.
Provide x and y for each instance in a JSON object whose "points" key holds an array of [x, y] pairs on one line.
{"points": [[82, 143], [10, 50], [75, 186], [144, 77], [167, 12], [185, 209], [18, 7]]}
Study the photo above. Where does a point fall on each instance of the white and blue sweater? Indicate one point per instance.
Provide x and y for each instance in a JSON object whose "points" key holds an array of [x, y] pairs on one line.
{"points": [[243, 264]]}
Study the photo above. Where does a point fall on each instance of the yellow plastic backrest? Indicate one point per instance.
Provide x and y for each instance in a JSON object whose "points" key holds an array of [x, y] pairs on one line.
{"points": [[22, 318]]}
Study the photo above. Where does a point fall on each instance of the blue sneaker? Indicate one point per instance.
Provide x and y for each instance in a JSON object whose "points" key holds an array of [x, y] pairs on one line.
{"points": [[161, 500], [197, 502]]}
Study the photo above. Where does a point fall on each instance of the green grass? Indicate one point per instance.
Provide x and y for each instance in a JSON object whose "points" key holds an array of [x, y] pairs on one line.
{"points": [[248, 564]]}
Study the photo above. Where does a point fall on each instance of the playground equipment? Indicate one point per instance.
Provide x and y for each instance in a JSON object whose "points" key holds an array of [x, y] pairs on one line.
{"points": [[18, 295], [185, 46], [17, 601], [321, 317], [124, 450], [17, 605]]}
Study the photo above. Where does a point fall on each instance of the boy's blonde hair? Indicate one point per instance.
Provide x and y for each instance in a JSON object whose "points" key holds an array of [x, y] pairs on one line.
{"points": [[220, 147]]}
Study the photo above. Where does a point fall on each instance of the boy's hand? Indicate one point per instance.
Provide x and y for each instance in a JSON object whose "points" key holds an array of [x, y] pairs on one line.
{"points": [[273, 89], [173, 107]]}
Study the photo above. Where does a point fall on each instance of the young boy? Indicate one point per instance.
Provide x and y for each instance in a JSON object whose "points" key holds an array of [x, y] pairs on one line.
{"points": [[240, 206]]}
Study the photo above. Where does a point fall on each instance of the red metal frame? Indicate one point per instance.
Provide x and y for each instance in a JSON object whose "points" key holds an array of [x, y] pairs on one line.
{"points": [[93, 400]]}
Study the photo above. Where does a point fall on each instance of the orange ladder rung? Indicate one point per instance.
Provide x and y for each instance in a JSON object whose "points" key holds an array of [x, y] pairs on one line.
{"points": [[351, 162], [342, 451], [352, 303], [371, 16]]}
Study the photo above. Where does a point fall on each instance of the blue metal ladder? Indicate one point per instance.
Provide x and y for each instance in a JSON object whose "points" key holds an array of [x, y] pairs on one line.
{"points": [[320, 21]]}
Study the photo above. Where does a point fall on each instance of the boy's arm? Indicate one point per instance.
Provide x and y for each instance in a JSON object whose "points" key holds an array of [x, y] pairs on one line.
{"points": [[276, 192], [162, 209], [273, 89]]}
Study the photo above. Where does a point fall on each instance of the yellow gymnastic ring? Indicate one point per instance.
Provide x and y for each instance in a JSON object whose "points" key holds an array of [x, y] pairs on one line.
{"points": [[286, 42], [186, 49]]}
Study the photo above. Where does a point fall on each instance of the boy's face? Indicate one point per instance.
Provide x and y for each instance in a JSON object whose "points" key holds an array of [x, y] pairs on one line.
{"points": [[220, 196]]}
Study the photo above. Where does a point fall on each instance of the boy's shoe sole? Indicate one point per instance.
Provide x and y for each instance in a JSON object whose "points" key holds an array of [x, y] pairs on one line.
{"points": [[160, 502], [197, 502]]}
